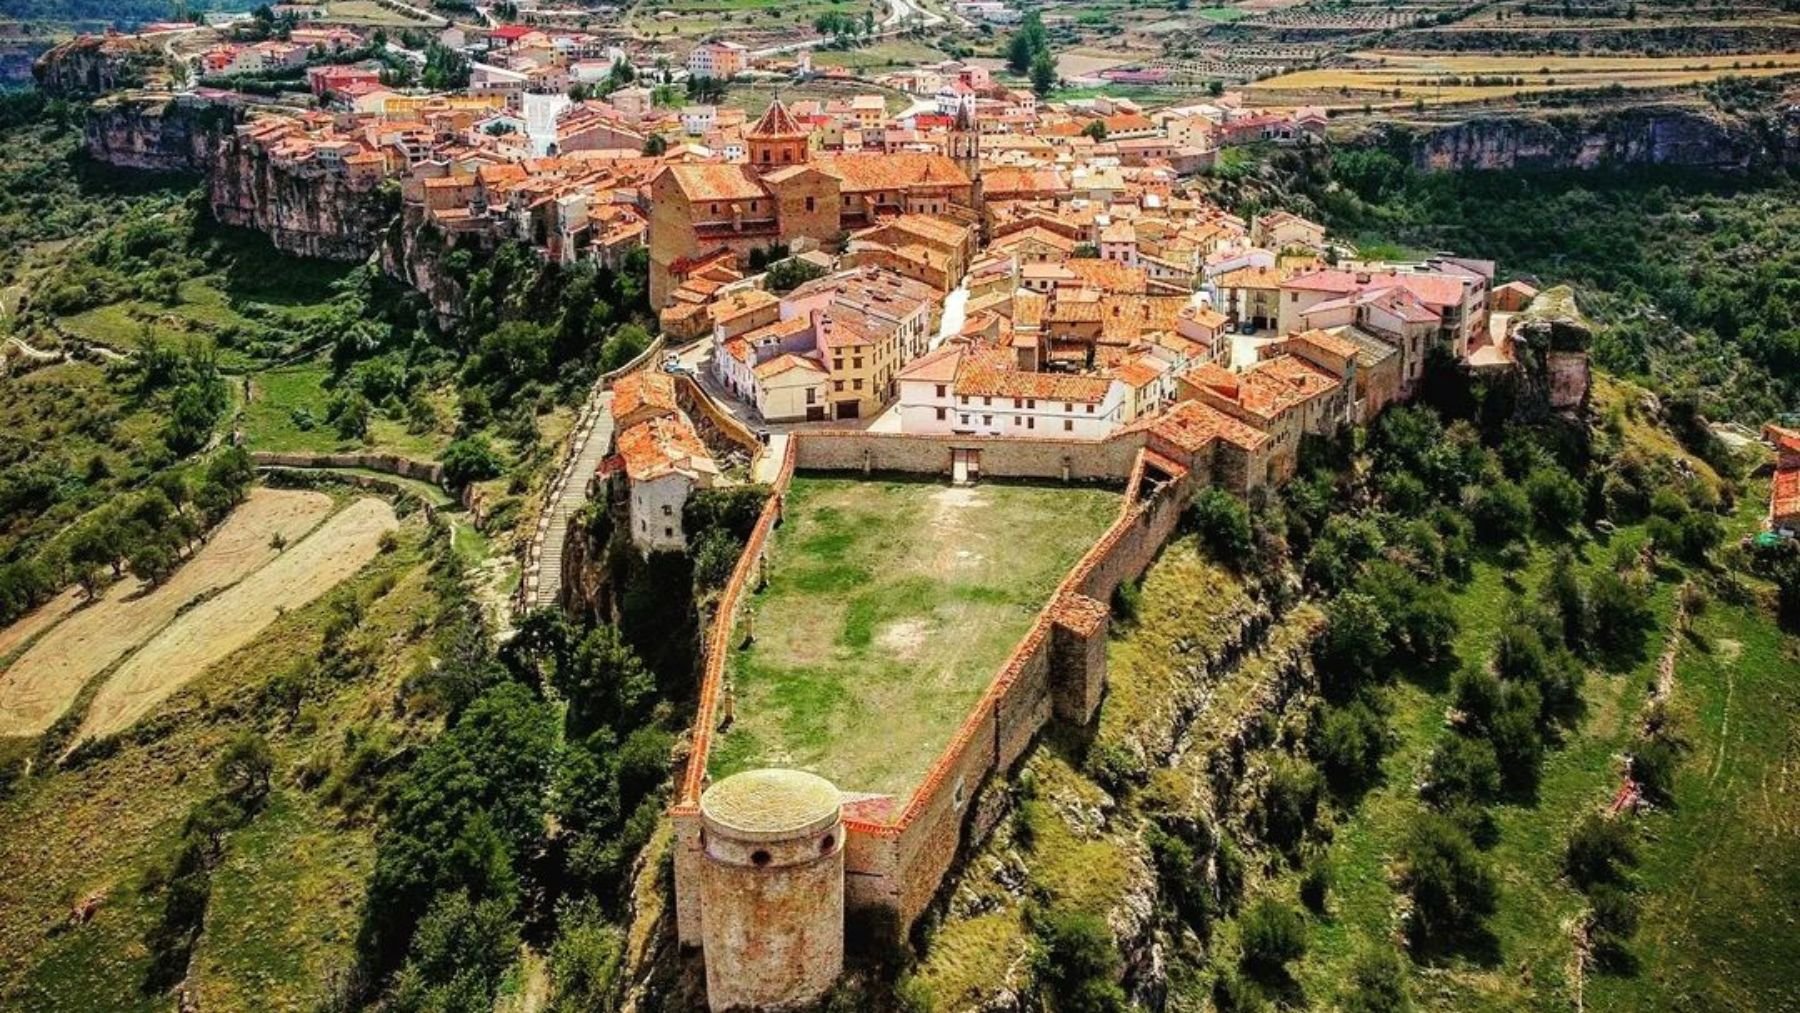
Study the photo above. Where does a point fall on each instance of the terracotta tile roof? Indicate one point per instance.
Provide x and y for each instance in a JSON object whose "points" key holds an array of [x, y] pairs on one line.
{"points": [[777, 124], [1111, 276], [1785, 440], [865, 173], [711, 181], [990, 374], [1251, 277], [1329, 342], [1205, 316], [787, 362], [1125, 318], [937, 366], [646, 389], [1784, 495], [664, 445], [1035, 233], [1191, 426], [1276, 385], [744, 300], [1140, 371]]}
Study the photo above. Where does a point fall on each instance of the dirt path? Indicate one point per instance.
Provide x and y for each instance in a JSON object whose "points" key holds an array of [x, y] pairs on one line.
{"points": [[40, 685], [218, 627]]}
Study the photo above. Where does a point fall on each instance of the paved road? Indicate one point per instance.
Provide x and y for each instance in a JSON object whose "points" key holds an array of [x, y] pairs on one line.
{"points": [[902, 16], [572, 497]]}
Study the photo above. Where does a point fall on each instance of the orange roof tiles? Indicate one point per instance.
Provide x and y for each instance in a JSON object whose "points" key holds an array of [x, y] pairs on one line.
{"points": [[1784, 495], [663, 446], [1329, 342], [861, 173], [1190, 426], [1251, 277], [711, 181], [937, 366], [646, 389], [988, 374]]}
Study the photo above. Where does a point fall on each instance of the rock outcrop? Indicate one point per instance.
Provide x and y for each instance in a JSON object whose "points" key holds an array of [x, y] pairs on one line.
{"points": [[1674, 135], [413, 250], [92, 65], [305, 207], [1550, 343]]}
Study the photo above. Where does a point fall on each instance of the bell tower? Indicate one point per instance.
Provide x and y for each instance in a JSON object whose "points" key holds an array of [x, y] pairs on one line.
{"points": [[965, 149], [778, 140]]}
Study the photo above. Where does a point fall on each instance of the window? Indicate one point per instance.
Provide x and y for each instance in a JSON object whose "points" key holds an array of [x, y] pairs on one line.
{"points": [[667, 511], [1018, 403], [668, 532], [1090, 409], [1016, 420], [940, 414], [1068, 407], [857, 362], [1293, 297], [858, 384], [965, 420], [986, 401], [811, 203], [1031, 423], [1031, 402], [940, 390], [715, 209], [837, 385], [1068, 425], [962, 399], [812, 396]]}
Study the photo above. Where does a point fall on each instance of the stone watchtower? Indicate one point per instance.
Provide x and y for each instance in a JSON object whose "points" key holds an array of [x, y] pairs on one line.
{"points": [[771, 889]]}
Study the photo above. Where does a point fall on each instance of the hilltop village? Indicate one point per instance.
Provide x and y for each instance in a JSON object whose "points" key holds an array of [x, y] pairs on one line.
{"points": [[934, 367]]}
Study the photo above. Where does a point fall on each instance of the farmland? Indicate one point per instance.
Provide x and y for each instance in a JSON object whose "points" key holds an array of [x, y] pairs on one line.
{"points": [[1383, 79]]}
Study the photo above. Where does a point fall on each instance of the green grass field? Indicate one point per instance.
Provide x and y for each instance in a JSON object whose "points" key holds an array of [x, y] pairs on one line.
{"points": [[891, 53], [890, 605]]}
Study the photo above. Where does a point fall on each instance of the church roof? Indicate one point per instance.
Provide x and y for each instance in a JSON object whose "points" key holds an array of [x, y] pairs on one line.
{"points": [[777, 122]]}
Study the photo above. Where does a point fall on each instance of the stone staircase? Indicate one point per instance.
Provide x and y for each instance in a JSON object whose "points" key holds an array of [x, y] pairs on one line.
{"points": [[542, 583]]}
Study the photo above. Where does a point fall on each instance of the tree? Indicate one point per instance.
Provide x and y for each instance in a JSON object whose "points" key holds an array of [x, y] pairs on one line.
{"points": [[656, 145], [1224, 525], [1612, 921], [1600, 850], [1043, 73], [244, 769], [1354, 643], [1290, 802], [470, 459], [1556, 499], [605, 684], [1273, 934], [1096, 129], [1349, 743], [1502, 513], [1462, 771], [1451, 885], [459, 954]]}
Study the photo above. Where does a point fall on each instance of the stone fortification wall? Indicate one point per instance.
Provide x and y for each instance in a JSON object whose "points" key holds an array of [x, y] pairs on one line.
{"points": [[1001, 456]]}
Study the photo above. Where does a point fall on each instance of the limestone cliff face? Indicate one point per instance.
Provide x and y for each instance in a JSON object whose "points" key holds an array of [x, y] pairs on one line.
{"points": [[93, 65], [154, 132], [305, 209], [413, 251], [1670, 135]]}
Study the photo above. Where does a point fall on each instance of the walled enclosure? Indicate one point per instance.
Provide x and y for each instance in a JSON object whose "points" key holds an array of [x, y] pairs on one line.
{"points": [[895, 860]]}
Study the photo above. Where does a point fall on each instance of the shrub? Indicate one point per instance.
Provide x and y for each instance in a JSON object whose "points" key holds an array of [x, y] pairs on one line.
{"points": [[1273, 934], [1076, 963], [1451, 885], [1348, 744], [1377, 983], [1599, 851], [1461, 770], [1315, 884], [1612, 921], [1290, 802], [1556, 498]]}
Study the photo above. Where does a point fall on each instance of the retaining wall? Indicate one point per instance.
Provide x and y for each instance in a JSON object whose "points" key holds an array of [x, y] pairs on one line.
{"points": [[392, 464]]}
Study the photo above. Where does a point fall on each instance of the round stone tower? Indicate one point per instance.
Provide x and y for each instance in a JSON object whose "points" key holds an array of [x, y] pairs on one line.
{"points": [[771, 889]]}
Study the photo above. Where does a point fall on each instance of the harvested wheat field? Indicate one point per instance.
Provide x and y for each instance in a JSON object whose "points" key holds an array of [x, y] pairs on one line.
{"points": [[38, 620], [216, 628], [40, 685]]}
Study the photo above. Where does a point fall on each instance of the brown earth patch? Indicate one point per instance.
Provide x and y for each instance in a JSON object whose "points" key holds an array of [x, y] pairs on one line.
{"points": [[218, 627], [40, 685]]}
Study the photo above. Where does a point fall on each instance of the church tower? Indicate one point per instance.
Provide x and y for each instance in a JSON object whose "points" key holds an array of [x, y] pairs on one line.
{"points": [[965, 148], [778, 140]]}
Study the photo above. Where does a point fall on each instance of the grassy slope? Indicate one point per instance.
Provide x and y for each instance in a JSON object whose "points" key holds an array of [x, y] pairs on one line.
{"points": [[894, 597], [285, 898]]}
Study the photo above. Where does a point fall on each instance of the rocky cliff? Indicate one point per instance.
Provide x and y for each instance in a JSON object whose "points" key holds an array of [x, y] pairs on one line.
{"points": [[1676, 135], [96, 64], [305, 208], [155, 132], [413, 250]]}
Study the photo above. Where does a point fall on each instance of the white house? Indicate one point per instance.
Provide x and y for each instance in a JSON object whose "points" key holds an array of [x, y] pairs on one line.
{"points": [[970, 390]]}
